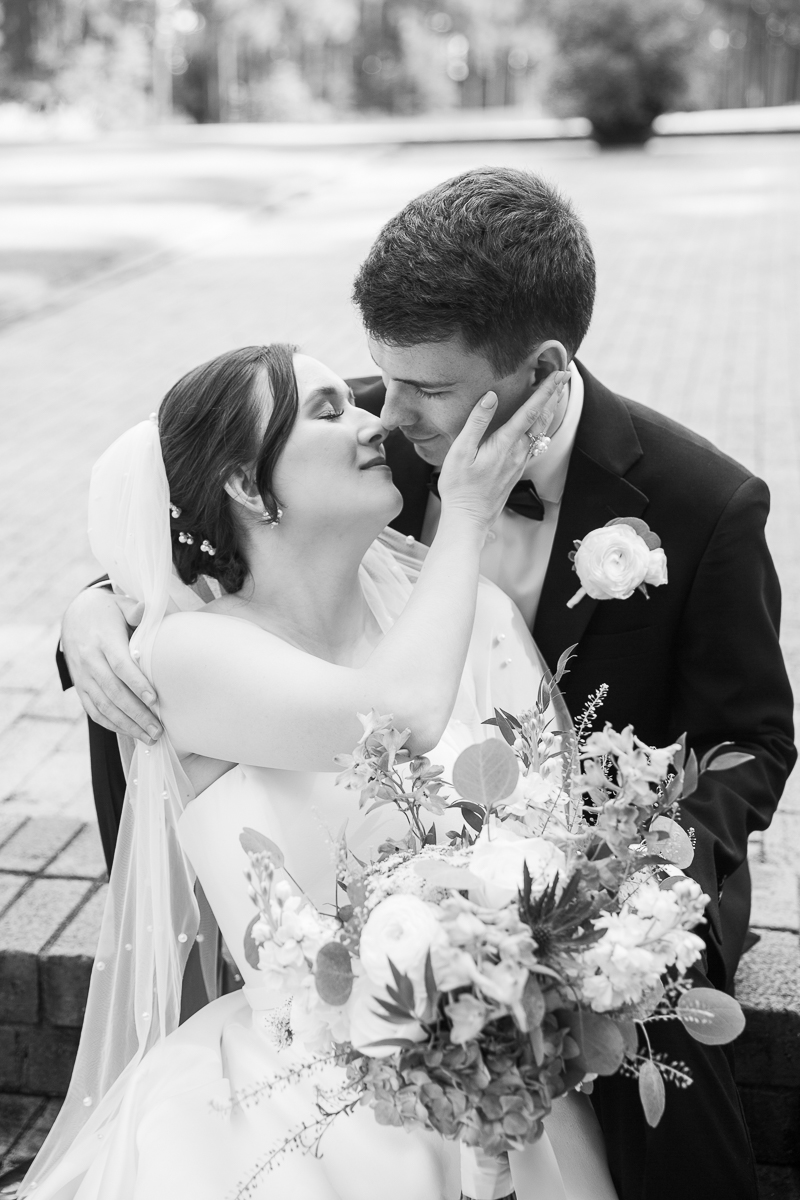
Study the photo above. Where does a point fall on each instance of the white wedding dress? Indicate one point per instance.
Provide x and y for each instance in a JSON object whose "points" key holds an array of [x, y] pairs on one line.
{"points": [[173, 1134], [150, 1114]]}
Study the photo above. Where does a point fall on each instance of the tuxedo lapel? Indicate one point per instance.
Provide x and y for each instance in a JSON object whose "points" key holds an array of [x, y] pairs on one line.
{"points": [[606, 447]]}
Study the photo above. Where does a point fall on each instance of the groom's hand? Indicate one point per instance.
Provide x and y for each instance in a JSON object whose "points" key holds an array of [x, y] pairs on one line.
{"points": [[112, 689]]}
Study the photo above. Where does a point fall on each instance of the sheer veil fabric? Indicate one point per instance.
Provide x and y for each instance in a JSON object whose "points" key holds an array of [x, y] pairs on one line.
{"points": [[151, 917]]}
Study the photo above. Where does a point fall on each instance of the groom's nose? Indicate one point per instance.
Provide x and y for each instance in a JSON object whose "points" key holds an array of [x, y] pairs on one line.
{"points": [[396, 411]]}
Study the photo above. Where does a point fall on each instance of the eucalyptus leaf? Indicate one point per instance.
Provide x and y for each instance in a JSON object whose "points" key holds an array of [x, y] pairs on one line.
{"points": [[690, 774], [651, 540], [651, 1093], [600, 1039], [533, 1003], [250, 944], [726, 761], [253, 842], [537, 1044], [711, 1017], [676, 848], [333, 973], [629, 1033], [709, 754], [486, 772], [666, 885]]}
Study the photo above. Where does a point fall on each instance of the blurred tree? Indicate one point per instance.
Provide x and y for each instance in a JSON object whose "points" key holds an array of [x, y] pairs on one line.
{"points": [[419, 54], [620, 63], [89, 54]]}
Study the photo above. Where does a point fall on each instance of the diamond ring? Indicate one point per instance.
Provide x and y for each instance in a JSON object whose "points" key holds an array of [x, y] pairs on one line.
{"points": [[538, 444]]}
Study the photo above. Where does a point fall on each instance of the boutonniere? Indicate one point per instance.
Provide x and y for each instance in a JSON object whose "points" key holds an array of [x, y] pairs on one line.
{"points": [[615, 561]]}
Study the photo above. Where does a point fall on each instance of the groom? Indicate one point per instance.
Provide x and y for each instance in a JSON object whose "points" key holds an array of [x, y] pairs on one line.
{"points": [[487, 281]]}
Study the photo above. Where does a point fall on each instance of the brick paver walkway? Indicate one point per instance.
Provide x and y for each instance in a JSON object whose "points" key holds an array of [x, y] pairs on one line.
{"points": [[698, 314]]}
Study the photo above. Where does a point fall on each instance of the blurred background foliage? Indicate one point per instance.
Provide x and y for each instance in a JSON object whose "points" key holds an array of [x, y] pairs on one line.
{"points": [[618, 62]]}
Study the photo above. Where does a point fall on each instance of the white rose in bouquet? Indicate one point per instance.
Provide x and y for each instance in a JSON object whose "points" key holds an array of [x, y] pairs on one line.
{"points": [[403, 929], [498, 858]]}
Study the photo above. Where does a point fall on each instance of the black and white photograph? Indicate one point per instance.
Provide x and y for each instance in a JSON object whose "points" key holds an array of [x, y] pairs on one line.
{"points": [[400, 616]]}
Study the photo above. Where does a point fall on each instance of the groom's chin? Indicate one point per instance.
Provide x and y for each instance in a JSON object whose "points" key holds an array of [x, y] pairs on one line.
{"points": [[431, 451]]}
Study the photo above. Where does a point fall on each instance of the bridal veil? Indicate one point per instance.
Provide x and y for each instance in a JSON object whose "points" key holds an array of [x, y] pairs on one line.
{"points": [[151, 917]]}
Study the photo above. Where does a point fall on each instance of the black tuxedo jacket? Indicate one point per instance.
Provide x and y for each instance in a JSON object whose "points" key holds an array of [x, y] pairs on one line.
{"points": [[701, 656]]}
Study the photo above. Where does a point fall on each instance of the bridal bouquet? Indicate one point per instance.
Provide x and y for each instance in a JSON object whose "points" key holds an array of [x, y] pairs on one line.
{"points": [[475, 974]]}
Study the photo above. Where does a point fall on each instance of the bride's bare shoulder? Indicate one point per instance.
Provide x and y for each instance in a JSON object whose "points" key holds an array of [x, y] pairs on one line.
{"points": [[208, 637]]}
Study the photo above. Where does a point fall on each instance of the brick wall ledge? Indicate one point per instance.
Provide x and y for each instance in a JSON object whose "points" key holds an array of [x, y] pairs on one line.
{"points": [[52, 890]]}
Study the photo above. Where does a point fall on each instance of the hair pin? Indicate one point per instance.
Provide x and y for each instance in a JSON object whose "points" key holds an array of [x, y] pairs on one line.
{"points": [[207, 548], [174, 511], [187, 538]]}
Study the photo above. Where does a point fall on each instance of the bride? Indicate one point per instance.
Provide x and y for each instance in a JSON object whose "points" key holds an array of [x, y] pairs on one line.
{"points": [[260, 473]]}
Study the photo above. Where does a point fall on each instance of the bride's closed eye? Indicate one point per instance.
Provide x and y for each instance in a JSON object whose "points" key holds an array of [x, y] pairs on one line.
{"points": [[332, 415]]}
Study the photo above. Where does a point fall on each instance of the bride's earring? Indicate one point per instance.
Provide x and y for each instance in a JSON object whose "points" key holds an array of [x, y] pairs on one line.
{"points": [[271, 520]]}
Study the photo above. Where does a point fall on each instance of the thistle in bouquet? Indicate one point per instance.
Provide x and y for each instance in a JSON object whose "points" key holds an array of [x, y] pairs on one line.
{"points": [[476, 974]]}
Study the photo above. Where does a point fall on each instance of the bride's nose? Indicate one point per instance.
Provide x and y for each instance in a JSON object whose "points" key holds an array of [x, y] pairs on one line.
{"points": [[371, 432]]}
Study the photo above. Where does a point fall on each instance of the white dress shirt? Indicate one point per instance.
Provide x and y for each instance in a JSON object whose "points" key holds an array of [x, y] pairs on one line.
{"points": [[517, 549]]}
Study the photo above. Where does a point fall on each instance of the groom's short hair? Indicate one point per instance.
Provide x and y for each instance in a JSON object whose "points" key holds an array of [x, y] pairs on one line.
{"points": [[496, 256]]}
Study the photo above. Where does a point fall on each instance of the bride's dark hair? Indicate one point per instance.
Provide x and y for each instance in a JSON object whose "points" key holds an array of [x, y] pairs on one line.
{"points": [[210, 425]]}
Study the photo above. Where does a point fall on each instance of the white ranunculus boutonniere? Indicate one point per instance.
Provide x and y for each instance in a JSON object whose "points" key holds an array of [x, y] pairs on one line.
{"points": [[614, 561]]}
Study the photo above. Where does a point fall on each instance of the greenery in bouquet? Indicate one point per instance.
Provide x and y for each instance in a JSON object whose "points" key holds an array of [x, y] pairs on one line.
{"points": [[474, 974]]}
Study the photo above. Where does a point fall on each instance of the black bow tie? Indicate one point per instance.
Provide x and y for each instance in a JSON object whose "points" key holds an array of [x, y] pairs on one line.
{"points": [[523, 498]]}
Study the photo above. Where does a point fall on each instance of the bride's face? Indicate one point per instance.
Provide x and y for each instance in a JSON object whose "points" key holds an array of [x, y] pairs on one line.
{"points": [[333, 467]]}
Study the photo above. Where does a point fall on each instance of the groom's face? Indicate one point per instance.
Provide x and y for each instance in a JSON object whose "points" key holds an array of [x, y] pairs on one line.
{"points": [[431, 388]]}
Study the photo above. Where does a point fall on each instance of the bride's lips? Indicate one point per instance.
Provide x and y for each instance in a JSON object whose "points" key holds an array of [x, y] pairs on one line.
{"points": [[378, 461]]}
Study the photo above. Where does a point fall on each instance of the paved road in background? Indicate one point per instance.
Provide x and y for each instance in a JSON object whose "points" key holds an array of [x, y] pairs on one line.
{"points": [[121, 266]]}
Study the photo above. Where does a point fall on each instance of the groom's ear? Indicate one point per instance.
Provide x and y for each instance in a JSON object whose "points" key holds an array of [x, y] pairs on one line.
{"points": [[545, 358]]}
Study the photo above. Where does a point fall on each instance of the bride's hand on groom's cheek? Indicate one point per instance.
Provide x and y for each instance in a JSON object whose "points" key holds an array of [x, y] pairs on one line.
{"points": [[482, 465], [111, 688]]}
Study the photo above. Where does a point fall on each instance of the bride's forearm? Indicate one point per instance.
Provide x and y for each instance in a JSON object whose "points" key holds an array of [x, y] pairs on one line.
{"points": [[418, 664]]}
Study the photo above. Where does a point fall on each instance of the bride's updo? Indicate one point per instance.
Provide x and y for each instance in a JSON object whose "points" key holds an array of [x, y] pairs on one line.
{"points": [[211, 423]]}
